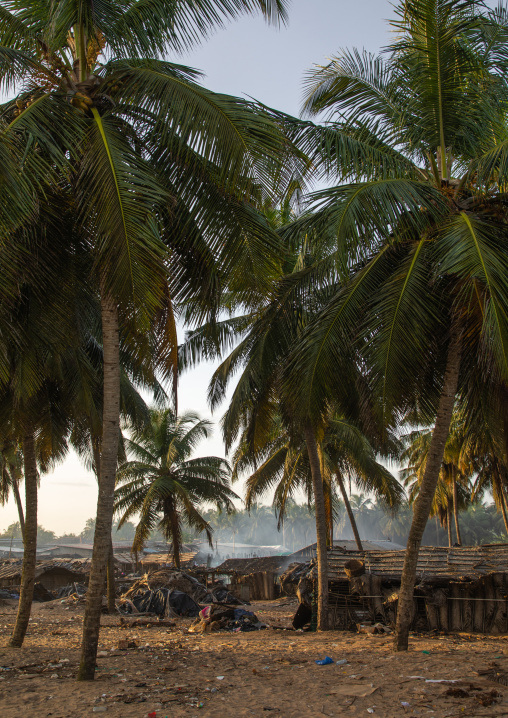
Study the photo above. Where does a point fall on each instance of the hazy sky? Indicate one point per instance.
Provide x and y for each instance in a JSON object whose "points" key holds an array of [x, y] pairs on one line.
{"points": [[253, 59]]}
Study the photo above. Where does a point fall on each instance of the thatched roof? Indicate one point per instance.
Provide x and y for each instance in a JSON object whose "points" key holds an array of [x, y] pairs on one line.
{"points": [[12, 569], [244, 566], [456, 563], [163, 559]]}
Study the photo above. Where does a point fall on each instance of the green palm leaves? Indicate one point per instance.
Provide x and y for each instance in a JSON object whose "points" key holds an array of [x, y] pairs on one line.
{"points": [[164, 484], [152, 156], [162, 178], [416, 238]]}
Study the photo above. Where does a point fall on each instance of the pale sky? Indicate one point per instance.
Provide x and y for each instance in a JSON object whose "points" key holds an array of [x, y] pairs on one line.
{"points": [[252, 59]]}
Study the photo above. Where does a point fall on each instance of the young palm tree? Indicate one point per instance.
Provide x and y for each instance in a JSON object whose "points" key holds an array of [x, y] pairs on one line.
{"points": [[165, 485], [153, 160], [417, 138]]}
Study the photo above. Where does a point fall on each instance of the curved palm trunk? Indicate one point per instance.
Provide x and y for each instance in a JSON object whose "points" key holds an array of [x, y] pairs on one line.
{"points": [[319, 502], [500, 491], [349, 510], [175, 532], [19, 504], [503, 508], [30, 543], [456, 510], [108, 462], [423, 503], [449, 522], [111, 587]]}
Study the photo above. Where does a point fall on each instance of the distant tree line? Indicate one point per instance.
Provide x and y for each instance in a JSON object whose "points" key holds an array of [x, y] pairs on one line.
{"points": [[481, 523]]}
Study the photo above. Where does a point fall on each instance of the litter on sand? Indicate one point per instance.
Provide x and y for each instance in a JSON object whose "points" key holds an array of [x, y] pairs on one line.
{"points": [[355, 690]]}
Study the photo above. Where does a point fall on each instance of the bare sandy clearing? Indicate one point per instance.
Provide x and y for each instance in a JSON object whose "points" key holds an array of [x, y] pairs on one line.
{"points": [[264, 673]]}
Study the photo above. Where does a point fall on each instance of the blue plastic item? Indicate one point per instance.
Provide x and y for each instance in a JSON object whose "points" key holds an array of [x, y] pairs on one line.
{"points": [[325, 662]]}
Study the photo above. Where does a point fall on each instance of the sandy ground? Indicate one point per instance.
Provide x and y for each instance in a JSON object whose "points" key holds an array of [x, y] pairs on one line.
{"points": [[272, 672]]}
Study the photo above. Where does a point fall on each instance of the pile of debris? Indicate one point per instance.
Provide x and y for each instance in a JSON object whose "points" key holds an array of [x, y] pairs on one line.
{"points": [[172, 593], [73, 589], [290, 579], [216, 618]]}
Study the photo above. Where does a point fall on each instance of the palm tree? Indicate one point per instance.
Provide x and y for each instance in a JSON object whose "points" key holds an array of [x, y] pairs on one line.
{"points": [[264, 335], [44, 364], [453, 488], [481, 524], [259, 517], [300, 524], [164, 485], [11, 468], [151, 160], [417, 139], [282, 463], [483, 453]]}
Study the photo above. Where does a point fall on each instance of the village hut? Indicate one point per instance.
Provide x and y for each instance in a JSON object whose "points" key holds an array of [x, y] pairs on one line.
{"points": [[53, 575], [252, 578], [457, 589]]}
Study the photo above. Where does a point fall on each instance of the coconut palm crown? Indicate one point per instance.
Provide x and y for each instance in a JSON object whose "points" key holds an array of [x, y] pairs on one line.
{"points": [[165, 485]]}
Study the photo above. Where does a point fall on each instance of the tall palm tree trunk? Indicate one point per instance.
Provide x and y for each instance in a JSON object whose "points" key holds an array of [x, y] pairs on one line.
{"points": [[456, 510], [319, 502], [110, 573], [349, 511], [449, 521], [19, 504], [108, 462], [30, 542], [111, 587], [327, 491], [423, 503]]}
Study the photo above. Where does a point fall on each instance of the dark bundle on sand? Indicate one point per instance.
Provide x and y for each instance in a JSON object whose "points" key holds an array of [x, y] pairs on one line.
{"points": [[171, 593], [216, 618]]}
